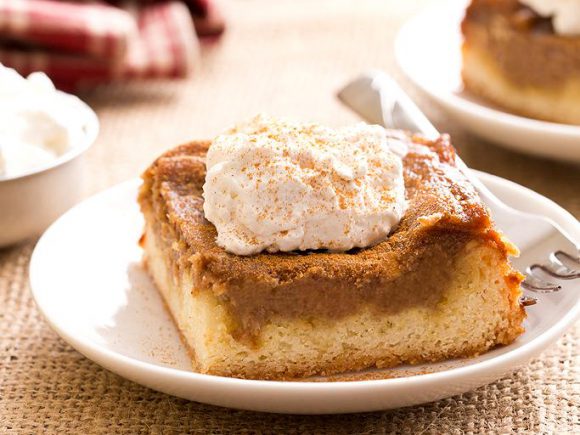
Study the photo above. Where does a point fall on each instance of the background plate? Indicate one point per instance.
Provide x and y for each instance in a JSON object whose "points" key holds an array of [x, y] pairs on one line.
{"points": [[87, 280]]}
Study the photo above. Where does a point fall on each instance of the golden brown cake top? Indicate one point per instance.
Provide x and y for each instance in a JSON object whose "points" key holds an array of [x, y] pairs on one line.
{"points": [[441, 202]]}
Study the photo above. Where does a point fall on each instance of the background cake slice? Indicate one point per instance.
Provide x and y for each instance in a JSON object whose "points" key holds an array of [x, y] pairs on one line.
{"points": [[439, 287], [513, 57]]}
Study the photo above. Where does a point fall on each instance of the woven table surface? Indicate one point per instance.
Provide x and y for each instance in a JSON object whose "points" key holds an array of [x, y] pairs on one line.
{"points": [[285, 58]]}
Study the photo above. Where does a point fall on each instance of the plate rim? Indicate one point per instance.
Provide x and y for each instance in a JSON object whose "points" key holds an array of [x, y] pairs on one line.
{"points": [[450, 99], [110, 358]]}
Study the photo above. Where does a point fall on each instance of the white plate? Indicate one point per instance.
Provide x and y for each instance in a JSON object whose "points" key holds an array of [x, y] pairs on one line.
{"points": [[428, 51], [87, 280]]}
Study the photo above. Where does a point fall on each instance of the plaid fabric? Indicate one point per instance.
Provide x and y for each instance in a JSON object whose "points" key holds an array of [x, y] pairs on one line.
{"points": [[85, 28], [87, 43]]}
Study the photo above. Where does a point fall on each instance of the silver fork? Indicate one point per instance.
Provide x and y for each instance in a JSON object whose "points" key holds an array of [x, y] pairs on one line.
{"points": [[549, 258]]}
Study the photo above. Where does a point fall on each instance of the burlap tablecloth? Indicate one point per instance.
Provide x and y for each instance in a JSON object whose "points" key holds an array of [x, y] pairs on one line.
{"points": [[287, 58]]}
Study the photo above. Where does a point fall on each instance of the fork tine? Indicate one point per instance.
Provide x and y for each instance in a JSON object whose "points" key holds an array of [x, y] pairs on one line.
{"points": [[534, 284], [527, 301], [565, 274], [558, 254]]}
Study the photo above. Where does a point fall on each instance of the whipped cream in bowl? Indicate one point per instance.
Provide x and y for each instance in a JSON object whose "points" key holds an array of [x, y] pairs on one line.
{"points": [[43, 133], [278, 185], [38, 124]]}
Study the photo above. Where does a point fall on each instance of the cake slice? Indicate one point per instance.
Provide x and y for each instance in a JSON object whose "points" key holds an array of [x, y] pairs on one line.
{"points": [[513, 57], [440, 286]]}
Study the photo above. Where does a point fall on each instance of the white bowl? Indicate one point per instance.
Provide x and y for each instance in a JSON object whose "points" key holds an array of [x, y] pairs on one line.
{"points": [[31, 201]]}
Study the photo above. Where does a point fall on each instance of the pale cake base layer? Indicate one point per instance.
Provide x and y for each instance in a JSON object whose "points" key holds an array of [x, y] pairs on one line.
{"points": [[473, 317], [483, 78]]}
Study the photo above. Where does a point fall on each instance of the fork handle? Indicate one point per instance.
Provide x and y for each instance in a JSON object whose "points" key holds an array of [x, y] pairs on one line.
{"points": [[400, 112]]}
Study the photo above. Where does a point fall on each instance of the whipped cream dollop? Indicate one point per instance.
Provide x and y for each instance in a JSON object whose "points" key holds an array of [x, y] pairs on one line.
{"points": [[278, 185], [565, 14], [37, 124]]}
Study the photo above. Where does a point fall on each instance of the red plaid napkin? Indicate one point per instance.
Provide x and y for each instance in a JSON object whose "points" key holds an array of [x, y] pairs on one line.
{"points": [[78, 43]]}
